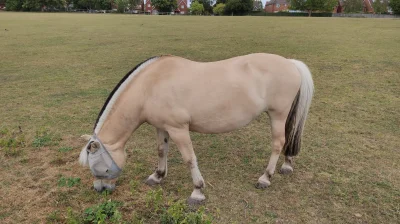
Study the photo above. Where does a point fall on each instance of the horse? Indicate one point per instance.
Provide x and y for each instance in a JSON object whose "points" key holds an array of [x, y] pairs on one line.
{"points": [[178, 96]]}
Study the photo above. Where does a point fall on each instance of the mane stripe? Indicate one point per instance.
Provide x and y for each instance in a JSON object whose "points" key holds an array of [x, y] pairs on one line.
{"points": [[117, 87]]}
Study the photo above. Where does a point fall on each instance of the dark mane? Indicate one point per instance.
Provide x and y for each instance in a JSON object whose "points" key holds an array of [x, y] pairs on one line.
{"points": [[116, 88]]}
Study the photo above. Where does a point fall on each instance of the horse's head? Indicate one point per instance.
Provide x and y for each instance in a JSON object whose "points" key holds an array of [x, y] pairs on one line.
{"points": [[101, 163]]}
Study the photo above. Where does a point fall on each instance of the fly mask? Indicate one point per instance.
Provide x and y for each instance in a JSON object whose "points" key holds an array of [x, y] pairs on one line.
{"points": [[101, 163]]}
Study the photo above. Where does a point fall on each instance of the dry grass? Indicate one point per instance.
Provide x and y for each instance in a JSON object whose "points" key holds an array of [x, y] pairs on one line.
{"points": [[57, 69]]}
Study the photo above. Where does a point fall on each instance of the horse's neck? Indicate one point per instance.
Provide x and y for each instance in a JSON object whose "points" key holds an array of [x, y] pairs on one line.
{"points": [[118, 127]]}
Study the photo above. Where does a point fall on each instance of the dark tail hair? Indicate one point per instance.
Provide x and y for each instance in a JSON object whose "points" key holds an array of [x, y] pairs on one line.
{"points": [[298, 112]]}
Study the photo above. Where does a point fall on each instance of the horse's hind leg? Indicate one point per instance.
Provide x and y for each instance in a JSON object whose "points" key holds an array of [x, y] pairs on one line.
{"points": [[161, 172], [287, 166], [278, 121]]}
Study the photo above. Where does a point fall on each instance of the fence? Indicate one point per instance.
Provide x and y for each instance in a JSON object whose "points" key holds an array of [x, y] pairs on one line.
{"points": [[363, 15], [301, 14]]}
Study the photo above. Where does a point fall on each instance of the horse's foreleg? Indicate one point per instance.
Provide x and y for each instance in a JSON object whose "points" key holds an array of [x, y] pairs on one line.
{"points": [[181, 137], [278, 140], [161, 172]]}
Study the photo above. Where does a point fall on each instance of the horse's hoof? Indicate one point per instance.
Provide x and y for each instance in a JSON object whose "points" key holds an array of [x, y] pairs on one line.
{"points": [[151, 182], [286, 170], [194, 201], [259, 185]]}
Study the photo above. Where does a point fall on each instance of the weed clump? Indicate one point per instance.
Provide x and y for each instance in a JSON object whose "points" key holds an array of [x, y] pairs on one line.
{"points": [[103, 212], [12, 142], [174, 212]]}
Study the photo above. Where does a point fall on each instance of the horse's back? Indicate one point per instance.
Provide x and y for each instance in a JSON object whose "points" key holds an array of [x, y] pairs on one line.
{"points": [[219, 96]]}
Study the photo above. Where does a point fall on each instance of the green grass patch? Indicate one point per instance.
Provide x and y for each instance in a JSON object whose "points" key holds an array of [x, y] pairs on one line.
{"points": [[57, 70], [45, 138], [179, 212], [65, 149], [68, 181], [54, 217]]}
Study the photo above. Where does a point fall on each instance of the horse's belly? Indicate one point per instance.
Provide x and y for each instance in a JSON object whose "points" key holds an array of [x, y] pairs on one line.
{"points": [[223, 121]]}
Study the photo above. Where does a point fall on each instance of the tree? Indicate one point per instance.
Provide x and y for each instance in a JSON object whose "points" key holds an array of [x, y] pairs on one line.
{"points": [[220, 1], [14, 5], [238, 7], [219, 9], [196, 8], [38, 5], [312, 5], [133, 4], [165, 5], [380, 6], [353, 6], [121, 5], [207, 5], [395, 5]]}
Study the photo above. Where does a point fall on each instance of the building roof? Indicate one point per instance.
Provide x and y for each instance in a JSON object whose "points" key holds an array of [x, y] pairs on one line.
{"points": [[281, 2]]}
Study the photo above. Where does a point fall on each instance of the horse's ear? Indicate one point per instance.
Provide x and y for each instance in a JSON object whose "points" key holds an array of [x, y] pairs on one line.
{"points": [[86, 137], [83, 157]]}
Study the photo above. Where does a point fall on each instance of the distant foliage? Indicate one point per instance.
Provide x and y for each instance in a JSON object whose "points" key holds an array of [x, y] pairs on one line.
{"points": [[133, 4], [353, 6], [59, 5], [207, 4], [395, 5], [196, 8], [313, 5], [14, 5], [238, 7], [165, 5], [121, 5], [380, 6], [219, 9], [95, 4]]}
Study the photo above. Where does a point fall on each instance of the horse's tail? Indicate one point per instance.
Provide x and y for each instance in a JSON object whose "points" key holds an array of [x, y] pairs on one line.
{"points": [[298, 112]]}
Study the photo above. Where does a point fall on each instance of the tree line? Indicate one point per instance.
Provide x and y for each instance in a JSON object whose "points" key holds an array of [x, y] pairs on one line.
{"points": [[198, 7]]}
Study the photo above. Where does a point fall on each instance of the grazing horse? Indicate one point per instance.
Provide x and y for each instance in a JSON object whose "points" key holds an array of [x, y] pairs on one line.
{"points": [[177, 95]]}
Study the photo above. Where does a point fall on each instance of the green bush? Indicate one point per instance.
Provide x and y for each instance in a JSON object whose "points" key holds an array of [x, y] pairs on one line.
{"points": [[395, 5], [219, 9]]}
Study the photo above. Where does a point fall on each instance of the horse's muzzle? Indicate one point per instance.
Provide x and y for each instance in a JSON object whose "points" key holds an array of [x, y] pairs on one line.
{"points": [[101, 184]]}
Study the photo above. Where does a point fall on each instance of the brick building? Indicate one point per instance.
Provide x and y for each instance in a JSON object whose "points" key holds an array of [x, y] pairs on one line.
{"points": [[367, 6], [276, 5]]}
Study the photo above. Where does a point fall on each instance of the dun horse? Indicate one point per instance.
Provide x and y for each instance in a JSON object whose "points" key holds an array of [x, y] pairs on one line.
{"points": [[177, 95]]}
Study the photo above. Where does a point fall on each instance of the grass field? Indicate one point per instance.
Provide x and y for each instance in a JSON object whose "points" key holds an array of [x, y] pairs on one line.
{"points": [[56, 71]]}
